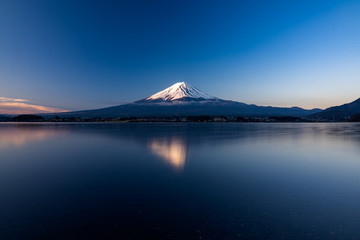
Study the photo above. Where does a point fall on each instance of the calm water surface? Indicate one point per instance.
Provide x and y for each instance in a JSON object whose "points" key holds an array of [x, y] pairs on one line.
{"points": [[179, 181]]}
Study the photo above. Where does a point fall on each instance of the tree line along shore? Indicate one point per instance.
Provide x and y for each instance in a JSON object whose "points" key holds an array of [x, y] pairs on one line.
{"points": [[202, 118]]}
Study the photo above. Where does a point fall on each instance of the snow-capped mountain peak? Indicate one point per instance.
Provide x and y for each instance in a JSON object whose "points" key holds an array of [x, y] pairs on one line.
{"points": [[180, 91]]}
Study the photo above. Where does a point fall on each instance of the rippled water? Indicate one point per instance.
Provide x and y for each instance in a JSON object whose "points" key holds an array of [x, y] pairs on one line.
{"points": [[180, 181]]}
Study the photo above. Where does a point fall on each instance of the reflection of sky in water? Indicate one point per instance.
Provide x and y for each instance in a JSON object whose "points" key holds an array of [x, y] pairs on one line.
{"points": [[172, 150], [256, 181], [17, 136]]}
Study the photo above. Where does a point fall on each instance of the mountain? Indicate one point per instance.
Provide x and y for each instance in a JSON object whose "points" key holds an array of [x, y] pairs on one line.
{"points": [[181, 99], [338, 113]]}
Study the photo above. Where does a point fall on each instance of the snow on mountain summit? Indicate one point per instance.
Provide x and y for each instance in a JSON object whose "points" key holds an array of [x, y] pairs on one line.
{"points": [[180, 91]]}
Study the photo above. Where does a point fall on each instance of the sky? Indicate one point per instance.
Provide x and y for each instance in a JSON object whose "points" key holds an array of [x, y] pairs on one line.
{"points": [[75, 55]]}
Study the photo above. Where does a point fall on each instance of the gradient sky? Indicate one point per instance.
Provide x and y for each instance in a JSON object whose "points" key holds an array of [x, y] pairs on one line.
{"points": [[77, 55]]}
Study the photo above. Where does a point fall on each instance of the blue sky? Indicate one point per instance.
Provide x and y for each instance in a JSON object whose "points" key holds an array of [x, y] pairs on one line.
{"points": [[77, 55]]}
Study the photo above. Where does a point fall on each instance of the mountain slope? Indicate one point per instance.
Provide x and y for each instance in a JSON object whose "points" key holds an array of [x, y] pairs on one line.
{"points": [[338, 113], [225, 108]]}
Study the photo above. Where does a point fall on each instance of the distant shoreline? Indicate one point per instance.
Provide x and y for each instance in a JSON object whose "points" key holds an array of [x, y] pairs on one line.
{"points": [[175, 119]]}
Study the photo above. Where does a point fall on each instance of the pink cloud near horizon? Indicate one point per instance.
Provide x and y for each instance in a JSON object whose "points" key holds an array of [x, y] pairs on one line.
{"points": [[13, 106]]}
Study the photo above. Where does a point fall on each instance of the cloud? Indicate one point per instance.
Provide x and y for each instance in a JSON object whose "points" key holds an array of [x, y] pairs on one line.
{"points": [[5, 99], [20, 106]]}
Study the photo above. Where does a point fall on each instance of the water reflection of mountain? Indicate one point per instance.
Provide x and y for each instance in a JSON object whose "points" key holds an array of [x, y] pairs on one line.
{"points": [[172, 150], [172, 142]]}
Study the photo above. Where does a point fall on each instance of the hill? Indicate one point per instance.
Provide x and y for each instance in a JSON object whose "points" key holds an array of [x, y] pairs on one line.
{"points": [[338, 113]]}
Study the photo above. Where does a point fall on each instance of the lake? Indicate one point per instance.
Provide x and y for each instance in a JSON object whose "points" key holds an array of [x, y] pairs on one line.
{"points": [[180, 181]]}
